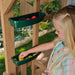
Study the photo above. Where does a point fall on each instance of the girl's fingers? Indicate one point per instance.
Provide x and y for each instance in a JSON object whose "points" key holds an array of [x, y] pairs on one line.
{"points": [[20, 55]]}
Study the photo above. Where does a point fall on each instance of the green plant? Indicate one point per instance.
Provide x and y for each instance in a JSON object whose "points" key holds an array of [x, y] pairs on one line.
{"points": [[25, 31], [50, 25], [31, 3], [17, 31], [21, 31], [16, 10], [45, 25], [52, 7]]}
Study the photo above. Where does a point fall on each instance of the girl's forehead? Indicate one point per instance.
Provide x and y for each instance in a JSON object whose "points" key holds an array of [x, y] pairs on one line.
{"points": [[57, 23]]}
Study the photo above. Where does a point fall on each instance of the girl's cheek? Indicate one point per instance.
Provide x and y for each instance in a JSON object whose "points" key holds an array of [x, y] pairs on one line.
{"points": [[62, 36]]}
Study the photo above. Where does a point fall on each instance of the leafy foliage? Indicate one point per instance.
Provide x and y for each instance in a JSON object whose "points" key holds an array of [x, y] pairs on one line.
{"points": [[51, 7], [31, 3], [20, 32], [16, 9], [43, 25]]}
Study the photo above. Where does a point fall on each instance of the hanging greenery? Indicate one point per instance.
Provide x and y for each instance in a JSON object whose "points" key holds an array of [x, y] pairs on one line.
{"points": [[16, 10], [31, 3], [52, 7]]}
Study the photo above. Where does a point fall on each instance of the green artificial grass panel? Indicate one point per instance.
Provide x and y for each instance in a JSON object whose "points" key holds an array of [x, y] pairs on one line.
{"points": [[23, 47], [47, 37], [2, 57]]}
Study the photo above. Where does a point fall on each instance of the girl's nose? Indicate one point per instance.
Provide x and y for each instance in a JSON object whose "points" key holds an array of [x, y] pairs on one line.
{"points": [[56, 32]]}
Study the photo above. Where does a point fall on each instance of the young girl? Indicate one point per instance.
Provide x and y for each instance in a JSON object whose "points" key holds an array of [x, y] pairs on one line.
{"points": [[62, 59]]}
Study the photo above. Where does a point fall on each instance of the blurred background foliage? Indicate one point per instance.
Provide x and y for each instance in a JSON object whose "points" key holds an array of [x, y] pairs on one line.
{"points": [[50, 8]]}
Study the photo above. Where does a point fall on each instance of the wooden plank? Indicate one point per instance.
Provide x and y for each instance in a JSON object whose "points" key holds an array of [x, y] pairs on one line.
{"points": [[23, 69], [35, 37], [36, 5], [29, 64], [7, 5], [36, 26], [8, 41], [35, 31], [24, 6], [33, 67], [18, 69]]}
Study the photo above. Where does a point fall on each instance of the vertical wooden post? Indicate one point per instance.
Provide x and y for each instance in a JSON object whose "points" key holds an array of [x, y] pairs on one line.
{"points": [[36, 26], [23, 69], [8, 40], [35, 31]]}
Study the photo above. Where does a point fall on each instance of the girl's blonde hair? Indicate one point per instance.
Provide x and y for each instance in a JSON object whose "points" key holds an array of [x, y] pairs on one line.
{"points": [[67, 16]]}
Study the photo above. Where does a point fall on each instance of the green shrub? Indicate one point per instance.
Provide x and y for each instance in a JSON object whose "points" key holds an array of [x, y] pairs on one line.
{"points": [[45, 25]]}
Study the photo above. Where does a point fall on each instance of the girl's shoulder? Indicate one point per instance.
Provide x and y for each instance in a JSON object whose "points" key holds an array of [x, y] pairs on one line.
{"points": [[57, 40], [68, 56], [58, 43], [62, 48]]}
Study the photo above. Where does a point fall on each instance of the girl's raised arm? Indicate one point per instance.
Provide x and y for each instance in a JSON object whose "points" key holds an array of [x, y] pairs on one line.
{"points": [[39, 48]]}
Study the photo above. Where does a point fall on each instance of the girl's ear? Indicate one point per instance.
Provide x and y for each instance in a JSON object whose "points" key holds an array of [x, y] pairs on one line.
{"points": [[67, 14]]}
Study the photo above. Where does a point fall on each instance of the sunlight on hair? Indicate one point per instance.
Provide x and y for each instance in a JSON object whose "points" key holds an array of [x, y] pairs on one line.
{"points": [[67, 16]]}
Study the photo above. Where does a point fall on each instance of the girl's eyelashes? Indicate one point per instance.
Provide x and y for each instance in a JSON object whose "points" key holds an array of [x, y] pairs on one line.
{"points": [[58, 31]]}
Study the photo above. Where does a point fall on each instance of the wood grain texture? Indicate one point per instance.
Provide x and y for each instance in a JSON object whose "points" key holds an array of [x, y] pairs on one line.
{"points": [[7, 5], [8, 41]]}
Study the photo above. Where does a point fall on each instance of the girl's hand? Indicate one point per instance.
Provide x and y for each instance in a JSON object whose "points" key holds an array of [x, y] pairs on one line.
{"points": [[43, 74], [23, 54]]}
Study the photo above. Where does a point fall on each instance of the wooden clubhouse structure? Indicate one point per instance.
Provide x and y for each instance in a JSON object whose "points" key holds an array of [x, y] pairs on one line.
{"points": [[6, 9]]}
